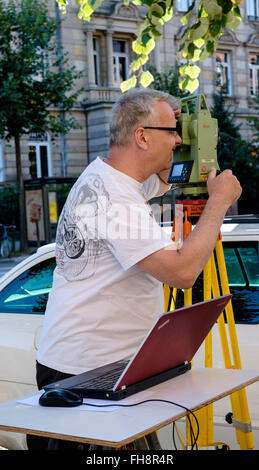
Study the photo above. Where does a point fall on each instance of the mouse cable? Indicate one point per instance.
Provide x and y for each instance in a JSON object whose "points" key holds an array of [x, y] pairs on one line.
{"points": [[192, 434], [193, 442]]}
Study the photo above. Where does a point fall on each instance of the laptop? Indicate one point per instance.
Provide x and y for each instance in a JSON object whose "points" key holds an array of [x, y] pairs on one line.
{"points": [[165, 352]]}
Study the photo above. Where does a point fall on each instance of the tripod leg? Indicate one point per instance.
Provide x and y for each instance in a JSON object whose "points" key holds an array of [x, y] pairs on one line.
{"points": [[208, 410], [221, 321], [170, 294], [223, 338], [238, 399], [207, 296], [167, 291], [187, 297], [188, 301], [229, 309], [205, 415], [174, 299]]}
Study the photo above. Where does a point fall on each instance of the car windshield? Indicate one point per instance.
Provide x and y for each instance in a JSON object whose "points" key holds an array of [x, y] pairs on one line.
{"points": [[28, 293]]}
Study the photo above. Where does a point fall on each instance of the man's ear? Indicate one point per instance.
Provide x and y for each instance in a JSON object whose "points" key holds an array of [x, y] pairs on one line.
{"points": [[141, 138]]}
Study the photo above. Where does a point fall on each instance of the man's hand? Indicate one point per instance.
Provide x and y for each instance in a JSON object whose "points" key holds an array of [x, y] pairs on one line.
{"points": [[224, 188]]}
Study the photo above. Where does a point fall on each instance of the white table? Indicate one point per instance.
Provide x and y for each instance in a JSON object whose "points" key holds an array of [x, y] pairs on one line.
{"points": [[194, 389]]}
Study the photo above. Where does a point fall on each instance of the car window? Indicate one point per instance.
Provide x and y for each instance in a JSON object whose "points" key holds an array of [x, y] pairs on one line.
{"points": [[28, 293], [242, 264], [249, 258], [234, 270]]}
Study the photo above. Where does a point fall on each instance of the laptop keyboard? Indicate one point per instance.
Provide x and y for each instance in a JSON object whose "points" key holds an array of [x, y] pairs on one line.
{"points": [[105, 382]]}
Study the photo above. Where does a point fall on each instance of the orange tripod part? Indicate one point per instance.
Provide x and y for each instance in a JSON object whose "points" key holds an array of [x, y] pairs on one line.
{"points": [[192, 210]]}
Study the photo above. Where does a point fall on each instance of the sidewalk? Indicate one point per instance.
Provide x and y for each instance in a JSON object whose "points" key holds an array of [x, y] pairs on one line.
{"points": [[9, 263], [14, 259]]}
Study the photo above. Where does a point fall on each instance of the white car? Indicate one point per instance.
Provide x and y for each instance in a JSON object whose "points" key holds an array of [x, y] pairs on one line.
{"points": [[23, 296]]}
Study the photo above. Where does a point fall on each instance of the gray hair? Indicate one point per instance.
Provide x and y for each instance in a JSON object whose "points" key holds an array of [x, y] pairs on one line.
{"points": [[134, 108]]}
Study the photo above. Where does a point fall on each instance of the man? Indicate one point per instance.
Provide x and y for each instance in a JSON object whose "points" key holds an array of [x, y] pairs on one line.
{"points": [[112, 256]]}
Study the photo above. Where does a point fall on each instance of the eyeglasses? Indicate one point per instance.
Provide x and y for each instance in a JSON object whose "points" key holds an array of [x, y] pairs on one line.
{"points": [[176, 129]]}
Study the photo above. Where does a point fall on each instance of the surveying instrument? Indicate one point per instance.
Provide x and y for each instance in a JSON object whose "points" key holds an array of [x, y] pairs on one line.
{"points": [[192, 163]]}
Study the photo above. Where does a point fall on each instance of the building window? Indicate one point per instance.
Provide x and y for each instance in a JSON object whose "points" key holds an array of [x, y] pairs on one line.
{"points": [[223, 70], [96, 49], [120, 61], [252, 9], [183, 5], [39, 156], [254, 74]]}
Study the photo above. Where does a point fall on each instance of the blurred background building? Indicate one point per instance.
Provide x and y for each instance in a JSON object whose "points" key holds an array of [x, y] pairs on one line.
{"points": [[102, 50]]}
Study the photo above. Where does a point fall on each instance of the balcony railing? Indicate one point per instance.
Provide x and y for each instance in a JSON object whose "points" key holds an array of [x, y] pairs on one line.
{"points": [[95, 94]]}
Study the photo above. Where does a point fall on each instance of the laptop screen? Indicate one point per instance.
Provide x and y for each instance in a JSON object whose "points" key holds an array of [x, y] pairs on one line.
{"points": [[173, 340]]}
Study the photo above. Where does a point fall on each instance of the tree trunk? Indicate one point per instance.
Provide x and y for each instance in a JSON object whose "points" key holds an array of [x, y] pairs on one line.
{"points": [[22, 214]]}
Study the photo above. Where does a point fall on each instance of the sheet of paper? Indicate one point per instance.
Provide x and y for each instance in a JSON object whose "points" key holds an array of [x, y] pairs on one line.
{"points": [[33, 400]]}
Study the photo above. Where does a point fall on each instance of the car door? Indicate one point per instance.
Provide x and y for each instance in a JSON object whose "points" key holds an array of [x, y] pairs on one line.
{"points": [[22, 307]]}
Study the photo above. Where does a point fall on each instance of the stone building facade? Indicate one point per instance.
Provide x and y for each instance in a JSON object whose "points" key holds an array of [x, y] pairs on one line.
{"points": [[102, 50]]}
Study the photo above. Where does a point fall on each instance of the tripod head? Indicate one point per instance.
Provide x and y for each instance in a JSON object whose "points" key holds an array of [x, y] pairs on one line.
{"points": [[198, 153]]}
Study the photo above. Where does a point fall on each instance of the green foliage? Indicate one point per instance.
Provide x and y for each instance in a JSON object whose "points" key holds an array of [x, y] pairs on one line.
{"points": [[202, 28], [32, 75], [9, 203], [236, 154], [62, 195], [167, 80]]}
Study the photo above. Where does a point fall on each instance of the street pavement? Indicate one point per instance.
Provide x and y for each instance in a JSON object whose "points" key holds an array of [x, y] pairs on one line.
{"points": [[8, 263]]}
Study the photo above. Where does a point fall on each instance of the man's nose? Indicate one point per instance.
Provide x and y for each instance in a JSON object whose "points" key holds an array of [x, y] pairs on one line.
{"points": [[178, 140]]}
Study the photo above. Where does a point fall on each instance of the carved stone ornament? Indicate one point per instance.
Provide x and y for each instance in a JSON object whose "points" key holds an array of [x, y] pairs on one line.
{"points": [[125, 11], [253, 40], [229, 37]]}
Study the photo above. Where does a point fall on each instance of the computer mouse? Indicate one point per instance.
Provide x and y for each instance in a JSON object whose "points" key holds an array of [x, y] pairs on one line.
{"points": [[60, 397]]}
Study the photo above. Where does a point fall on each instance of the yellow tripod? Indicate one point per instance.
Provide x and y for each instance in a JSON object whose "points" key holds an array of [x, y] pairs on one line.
{"points": [[211, 287]]}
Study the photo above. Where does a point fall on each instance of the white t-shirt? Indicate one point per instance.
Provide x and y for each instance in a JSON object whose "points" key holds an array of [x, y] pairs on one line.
{"points": [[102, 304]]}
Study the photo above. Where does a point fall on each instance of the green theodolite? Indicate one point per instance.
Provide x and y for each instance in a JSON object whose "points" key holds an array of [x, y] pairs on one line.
{"points": [[198, 153]]}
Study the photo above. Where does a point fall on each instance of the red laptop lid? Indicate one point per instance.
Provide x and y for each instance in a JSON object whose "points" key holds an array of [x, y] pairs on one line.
{"points": [[174, 339]]}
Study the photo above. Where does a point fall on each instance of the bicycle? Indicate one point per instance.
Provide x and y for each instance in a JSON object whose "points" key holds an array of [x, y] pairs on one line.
{"points": [[5, 240]]}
